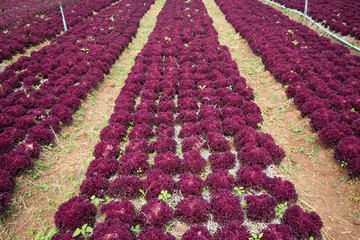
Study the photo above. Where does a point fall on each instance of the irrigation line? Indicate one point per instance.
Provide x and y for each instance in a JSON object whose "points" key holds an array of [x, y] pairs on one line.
{"points": [[63, 17], [318, 25]]}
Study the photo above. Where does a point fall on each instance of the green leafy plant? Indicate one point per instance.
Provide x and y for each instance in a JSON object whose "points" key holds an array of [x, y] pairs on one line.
{"points": [[142, 198], [239, 191], [280, 209], [290, 32], [85, 230], [96, 200], [85, 50], [256, 237], [343, 164], [136, 229], [126, 139], [164, 195]]}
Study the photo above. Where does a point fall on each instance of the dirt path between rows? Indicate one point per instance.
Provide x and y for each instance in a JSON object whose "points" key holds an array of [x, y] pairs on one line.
{"points": [[60, 171], [321, 183]]}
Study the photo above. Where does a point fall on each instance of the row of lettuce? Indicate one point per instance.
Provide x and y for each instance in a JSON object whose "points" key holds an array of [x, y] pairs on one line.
{"points": [[184, 98], [14, 11], [36, 30], [339, 15], [323, 78], [47, 87]]}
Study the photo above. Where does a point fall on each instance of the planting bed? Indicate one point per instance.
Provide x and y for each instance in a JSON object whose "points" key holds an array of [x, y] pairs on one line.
{"points": [[36, 30], [339, 16], [322, 77], [180, 117]]}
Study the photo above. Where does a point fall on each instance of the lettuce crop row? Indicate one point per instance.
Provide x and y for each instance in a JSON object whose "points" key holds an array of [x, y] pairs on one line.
{"points": [[49, 85], [37, 29], [183, 126], [323, 78], [339, 15], [13, 11]]}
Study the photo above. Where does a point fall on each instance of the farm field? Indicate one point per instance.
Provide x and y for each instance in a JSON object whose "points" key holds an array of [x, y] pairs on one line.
{"points": [[184, 109]]}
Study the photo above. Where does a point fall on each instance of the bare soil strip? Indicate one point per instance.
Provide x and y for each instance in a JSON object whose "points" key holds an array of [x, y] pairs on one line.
{"points": [[321, 183]]}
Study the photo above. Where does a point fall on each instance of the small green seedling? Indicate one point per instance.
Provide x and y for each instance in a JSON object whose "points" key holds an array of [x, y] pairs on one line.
{"points": [[239, 191], [164, 195], [256, 237], [136, 229], [280, 209], [96, 200], [85, 230]]}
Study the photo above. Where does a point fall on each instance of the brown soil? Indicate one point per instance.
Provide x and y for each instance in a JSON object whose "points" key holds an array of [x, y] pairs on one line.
{"points": [[61, 169], [321, 183]]}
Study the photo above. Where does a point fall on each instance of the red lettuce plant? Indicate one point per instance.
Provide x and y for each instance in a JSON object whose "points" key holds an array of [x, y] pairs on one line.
{"points": [[192, 209], [304, 224], [169, 163], [155, 213], [163, 145], [226, 207], [281, 190], [102, 167], [220, 179], [103, 231], [123, 211], [260, 208], [94, 186], [193, 162], [155, 182], [153, 233], [251, 177], [233, 230], [190, 184], [74, 214], [108, 149], [134, 163], [124, 187], [197, 232], [225, 160]]}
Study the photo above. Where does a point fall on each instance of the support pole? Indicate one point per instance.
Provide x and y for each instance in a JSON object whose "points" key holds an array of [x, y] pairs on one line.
{"points": [[306, 6], [62, 13]]}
